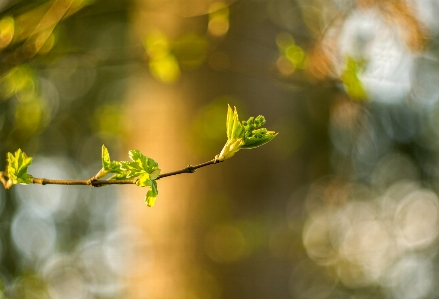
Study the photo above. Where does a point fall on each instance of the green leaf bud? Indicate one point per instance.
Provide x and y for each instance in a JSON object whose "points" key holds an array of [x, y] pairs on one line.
{"points": [[260, 120], [246, 135], [259, 133], [230, 149]]}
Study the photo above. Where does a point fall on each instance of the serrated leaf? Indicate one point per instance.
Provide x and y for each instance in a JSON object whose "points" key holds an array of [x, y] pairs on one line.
{"points": [[140, 166], [138, 157], [130, 169], [144, 163], [152, 166], [17, 166], [151, 196]]}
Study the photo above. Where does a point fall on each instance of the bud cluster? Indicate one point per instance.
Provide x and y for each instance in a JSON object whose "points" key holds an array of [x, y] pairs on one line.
{"points": [[252, 127], [245, 135]]}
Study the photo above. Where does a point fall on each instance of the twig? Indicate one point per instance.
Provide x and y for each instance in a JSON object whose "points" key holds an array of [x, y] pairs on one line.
{"points": [[91, 182], [189, 169], [97, 183]]}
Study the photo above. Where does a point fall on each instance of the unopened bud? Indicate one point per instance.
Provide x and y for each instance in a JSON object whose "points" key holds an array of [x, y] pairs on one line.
{"points": [[260, 120]]}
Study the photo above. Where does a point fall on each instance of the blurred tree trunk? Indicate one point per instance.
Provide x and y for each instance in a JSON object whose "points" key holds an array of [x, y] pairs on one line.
{"points": [[156, 112]]}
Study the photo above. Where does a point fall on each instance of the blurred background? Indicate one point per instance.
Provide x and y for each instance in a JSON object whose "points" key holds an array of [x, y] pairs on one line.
{"points": [[342, 204]]}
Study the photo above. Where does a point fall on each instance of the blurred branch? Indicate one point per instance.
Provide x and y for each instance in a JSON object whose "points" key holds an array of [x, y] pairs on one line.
{"points": [[16, 5], [35, 31], [34, 40]]}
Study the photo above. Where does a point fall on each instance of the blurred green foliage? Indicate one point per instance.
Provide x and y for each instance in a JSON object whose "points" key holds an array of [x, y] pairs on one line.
{"points": [[352, 83]]}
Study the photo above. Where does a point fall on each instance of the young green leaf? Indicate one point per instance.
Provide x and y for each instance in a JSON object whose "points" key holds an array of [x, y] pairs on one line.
{"points": [[151, 196], [145, 163], [229, 122], [107, 165], [254, 142], [106, 161], [144, 180], [16, 169], [143, 168], [130, 170], [234, 127]]}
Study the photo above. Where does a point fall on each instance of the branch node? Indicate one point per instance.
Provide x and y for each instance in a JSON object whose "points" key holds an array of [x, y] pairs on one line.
{"points": [[190, 169], [93, 182]]}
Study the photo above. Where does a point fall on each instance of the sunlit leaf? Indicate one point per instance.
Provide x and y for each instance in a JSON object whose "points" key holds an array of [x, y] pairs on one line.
{"points": [[151, 196], [108, 166], [144, 180], [146, 164], [106, 162], [141, 167], [17, 165]]}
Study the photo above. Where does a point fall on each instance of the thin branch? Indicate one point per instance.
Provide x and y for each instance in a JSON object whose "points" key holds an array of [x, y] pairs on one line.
{"points": [[91, 182], [97, 183], [188, 169]]}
